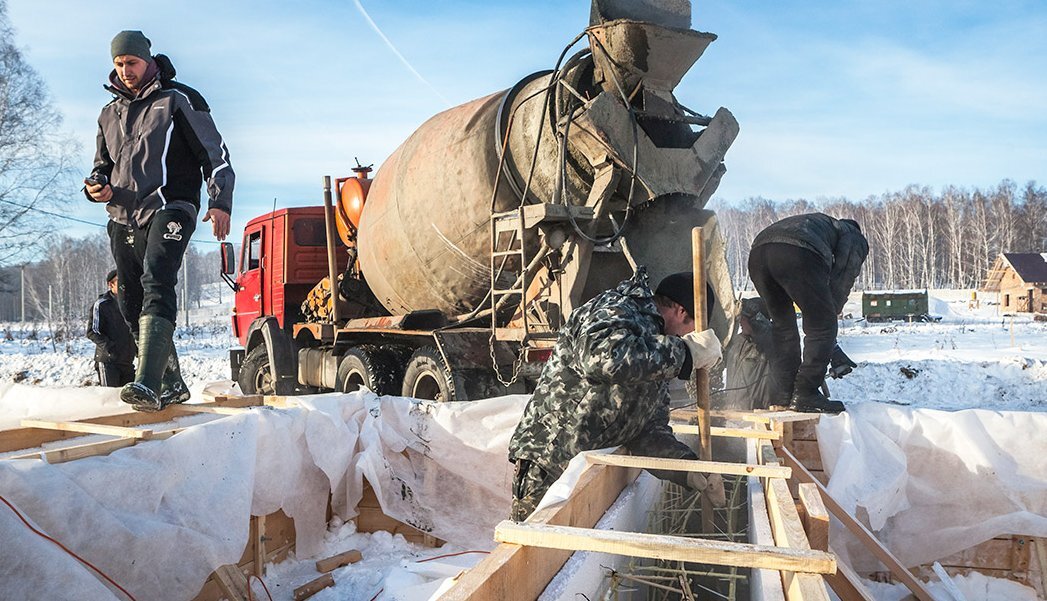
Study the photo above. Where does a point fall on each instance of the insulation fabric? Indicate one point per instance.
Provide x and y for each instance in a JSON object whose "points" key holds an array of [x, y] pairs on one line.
{"points": [[159, 517], [932, 483]]}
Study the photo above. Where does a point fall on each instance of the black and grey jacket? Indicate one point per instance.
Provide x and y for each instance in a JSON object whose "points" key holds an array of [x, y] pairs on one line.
{"points": [[839, 242], [156, 148], [108, 330]]}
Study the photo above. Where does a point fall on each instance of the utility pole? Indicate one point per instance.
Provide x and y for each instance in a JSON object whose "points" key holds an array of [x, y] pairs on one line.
{"points": [[185, 287], [23, 292]]}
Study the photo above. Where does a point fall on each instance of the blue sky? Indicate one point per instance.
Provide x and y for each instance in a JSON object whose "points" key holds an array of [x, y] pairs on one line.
{"points": [[834, 98]]}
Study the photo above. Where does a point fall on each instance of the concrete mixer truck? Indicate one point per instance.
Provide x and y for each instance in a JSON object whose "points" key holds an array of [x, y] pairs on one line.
{"points": [[448, 275]]}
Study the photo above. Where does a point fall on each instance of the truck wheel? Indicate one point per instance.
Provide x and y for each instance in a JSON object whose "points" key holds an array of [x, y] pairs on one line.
{"points": [[426, 376], [367, 366], [256, 375]]}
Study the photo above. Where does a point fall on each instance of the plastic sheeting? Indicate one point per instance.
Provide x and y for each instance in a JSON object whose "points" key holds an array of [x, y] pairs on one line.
{"points": [[933, 483], [159, 517]]}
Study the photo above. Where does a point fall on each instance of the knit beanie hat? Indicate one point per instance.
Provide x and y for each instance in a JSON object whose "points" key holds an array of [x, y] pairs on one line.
{"points": [[112, 274], [679, 288], [131, 42]]}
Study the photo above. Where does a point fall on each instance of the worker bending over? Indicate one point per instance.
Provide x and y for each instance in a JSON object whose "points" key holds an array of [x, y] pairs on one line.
{"points": [[811, 260], [606, 385]]}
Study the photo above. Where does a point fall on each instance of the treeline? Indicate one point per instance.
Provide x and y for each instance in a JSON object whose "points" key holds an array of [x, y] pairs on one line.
{"points": [[917, 238], [61, 287]]}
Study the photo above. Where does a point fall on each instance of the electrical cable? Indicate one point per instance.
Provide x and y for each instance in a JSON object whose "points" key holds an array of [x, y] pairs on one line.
{"points": [[67, 550], [250, 593], [83, 221]]}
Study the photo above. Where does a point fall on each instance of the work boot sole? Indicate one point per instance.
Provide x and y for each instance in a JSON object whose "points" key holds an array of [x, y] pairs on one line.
{"points": [[832, 408], [140, 397]]}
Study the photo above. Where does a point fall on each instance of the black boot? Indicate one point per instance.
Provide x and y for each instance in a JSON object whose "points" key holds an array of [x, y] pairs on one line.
{"points": [[172, 387], [154, 348], [814, 402]]}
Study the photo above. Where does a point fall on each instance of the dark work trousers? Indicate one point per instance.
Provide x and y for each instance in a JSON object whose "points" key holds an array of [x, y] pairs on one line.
{"points": [[114, 374], [785, 274], [147, 263]]}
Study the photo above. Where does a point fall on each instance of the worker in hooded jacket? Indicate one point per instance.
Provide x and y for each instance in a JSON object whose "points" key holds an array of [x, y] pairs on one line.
{"points": [[606, 385], [156, 146], [811, 260]]}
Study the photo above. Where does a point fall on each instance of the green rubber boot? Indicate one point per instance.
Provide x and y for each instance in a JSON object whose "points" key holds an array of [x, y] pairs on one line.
{"points": [[154, 349], [173, 388]]}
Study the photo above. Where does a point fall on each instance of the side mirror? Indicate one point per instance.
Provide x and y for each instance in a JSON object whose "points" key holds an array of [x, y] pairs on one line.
{"points": [[228, 259], [229, 265]]}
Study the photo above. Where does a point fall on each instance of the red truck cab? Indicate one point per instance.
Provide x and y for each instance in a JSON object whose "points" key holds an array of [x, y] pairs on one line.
{"points": [[284, 255]]}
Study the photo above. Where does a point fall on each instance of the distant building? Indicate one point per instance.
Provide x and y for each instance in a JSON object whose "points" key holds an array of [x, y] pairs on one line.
{"points": [[1021, 281]]}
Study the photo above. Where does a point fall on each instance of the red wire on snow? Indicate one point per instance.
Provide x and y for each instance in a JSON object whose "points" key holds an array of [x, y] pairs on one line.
{"points": [[66, 549], [250, 593], [450, 555]]}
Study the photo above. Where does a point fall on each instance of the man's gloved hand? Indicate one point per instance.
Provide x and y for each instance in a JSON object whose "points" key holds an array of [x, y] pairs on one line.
{"points": [[711, 485], [704, 347], [840, 364]]}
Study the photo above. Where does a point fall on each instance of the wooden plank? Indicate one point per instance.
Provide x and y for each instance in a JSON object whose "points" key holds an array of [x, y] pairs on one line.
{"points": [[92, 449], [87, 428], [847, 585], [766, 584], [669, 548], [182, 408], [768, 417], [232, 582], [807, 451], [336, 561], [815, 516], [313, 586], [859, 530], [690, 465], [1041, 557], [719, 431], [788, 533], [516, 572], [701, 376], [258, 550], [805, 430], [28, 438]]}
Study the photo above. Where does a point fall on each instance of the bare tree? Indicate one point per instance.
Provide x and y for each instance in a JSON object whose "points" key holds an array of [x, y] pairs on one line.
{"points": [[34, 154]]}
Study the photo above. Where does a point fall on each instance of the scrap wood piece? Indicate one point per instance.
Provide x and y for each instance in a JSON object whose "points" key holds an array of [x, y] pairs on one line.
{"points": [[859, 530], [515, 572], [815, 517], [87, 428], [336, 561], [313, 586], [215, 409], [691, 465], [670, 548], [232, 582]]}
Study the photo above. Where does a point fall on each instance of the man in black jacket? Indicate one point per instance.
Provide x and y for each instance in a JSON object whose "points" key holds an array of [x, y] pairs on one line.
{"points": [[156, 146], [811, 260], [114, 348]]}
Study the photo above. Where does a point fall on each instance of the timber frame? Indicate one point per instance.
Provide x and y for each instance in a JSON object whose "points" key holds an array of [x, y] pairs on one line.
{"points": [[790, 554]]}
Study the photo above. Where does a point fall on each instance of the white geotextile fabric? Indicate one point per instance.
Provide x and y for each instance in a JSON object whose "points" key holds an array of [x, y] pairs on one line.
{"points": [[162, 515], [933, 483]]}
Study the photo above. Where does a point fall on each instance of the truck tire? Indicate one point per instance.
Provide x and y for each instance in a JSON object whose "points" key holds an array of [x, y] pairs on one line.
{"points": [[256, 375], [368, 366], [427, 377]]}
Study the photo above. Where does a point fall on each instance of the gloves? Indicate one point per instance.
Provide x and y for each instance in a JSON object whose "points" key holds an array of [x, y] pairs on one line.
{"points": [[840, 364], [711, 485], [704, 348]]}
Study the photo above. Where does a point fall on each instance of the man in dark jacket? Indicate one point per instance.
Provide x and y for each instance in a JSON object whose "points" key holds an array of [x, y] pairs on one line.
{"points": [[606, 384], [156, 145], [811, 260], [114, 348]]}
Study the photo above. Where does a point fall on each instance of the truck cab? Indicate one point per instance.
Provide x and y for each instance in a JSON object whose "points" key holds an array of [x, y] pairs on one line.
{"points": [[283, 255]]}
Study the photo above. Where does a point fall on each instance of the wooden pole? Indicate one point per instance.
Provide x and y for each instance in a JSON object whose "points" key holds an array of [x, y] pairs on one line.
{"points": [[701, 376]]}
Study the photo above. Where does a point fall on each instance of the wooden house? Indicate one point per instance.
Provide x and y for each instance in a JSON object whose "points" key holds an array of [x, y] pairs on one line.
{"points": [[1021, 281]]}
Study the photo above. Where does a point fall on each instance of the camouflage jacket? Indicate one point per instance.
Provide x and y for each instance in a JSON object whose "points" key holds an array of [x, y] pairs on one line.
{"points": [[606, 383]]}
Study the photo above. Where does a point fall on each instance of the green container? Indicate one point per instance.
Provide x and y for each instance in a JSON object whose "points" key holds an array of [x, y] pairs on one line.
{"points": [[901, 305]]}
